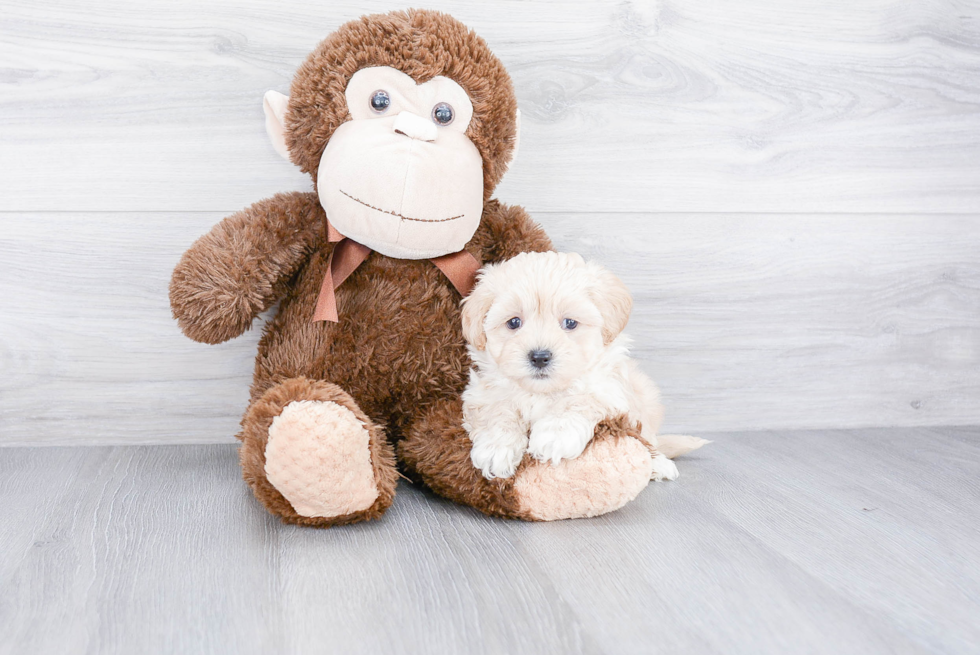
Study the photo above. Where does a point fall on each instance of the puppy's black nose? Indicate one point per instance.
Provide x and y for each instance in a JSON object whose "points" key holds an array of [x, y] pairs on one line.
{"points": [[539, 358]]}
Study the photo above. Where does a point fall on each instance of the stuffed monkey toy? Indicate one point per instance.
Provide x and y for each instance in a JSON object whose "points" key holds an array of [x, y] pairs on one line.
{"points": [[405, 122]]}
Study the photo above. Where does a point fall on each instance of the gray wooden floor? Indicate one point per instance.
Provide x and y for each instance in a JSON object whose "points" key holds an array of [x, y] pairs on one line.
{"points": [[860, 541]]}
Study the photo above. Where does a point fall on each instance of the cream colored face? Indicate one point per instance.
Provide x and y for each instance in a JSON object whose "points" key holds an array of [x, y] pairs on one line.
{"points": [[398, 177], [555, 320], [544, 318]]}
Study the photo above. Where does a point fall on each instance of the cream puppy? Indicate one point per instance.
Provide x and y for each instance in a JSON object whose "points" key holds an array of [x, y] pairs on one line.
{"points": [[550, 362]]}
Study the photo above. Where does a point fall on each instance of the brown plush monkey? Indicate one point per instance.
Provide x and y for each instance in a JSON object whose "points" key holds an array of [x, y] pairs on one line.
{"points": [[406, 122]]}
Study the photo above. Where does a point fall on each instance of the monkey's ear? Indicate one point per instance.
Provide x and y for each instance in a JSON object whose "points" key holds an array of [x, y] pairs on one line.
{"points": [[517, 140], [274, 104]]}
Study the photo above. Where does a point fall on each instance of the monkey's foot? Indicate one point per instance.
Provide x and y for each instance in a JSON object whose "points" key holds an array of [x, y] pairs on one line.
{"points": [[614, 467], [318, 459], [611, 471], [312, 457]]}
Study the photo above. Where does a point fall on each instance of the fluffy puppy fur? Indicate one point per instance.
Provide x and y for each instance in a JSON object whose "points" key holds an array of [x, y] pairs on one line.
{"points": [[550, 362]]}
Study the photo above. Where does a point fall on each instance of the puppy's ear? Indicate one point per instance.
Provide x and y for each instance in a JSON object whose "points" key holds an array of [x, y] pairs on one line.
{"points": [[474, 313], [614, 301]]}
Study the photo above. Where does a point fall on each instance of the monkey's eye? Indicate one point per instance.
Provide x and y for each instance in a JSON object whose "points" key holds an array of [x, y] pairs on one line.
{"points": [[514, 323], [380, 101], [569, 323], [443, 113]]}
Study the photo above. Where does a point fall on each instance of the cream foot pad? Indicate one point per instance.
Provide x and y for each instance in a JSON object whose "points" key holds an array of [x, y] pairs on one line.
{"points": [[319, 458], [605, 477]]}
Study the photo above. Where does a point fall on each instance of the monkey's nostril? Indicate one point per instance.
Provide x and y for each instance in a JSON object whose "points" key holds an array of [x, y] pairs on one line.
{"points": [[415, 127], [539, 358]]}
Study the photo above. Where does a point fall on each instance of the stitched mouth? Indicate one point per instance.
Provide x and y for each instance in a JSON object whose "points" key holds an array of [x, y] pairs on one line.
{"points": [[404, 218]]}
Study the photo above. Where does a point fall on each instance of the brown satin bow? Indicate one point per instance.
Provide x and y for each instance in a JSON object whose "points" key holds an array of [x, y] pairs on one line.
{"points": [[460, 267]]}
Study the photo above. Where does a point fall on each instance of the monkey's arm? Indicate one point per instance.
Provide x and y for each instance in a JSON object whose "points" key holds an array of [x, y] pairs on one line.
{"points": [[242, 266], [506, 231]]}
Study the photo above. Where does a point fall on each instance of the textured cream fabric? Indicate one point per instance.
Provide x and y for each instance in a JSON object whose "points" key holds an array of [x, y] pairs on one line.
{"points": [[318, 457], [605, 477]]}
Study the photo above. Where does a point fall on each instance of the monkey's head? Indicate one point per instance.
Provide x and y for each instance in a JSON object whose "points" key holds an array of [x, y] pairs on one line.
{"points": [[406, 122]]}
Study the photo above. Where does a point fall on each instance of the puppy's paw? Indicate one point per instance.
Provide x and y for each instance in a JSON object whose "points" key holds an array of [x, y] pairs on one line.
{"points": [[556, 438], [497, 458], [663, 469]]}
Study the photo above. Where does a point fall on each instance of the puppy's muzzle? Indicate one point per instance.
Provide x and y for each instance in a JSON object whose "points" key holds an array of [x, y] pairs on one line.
{"points": [[539, 358]]}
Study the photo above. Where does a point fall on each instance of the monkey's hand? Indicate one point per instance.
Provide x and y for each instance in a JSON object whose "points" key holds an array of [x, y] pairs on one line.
{"points": [[241, 267]]}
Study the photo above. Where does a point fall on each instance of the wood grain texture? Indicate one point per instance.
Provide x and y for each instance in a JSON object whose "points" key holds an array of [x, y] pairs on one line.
{"points": [[853, 542], [746, 322], [671, 106]]}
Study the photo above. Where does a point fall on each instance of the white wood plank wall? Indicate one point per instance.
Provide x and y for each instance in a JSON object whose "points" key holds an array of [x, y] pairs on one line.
{"points": [[791, 189]]}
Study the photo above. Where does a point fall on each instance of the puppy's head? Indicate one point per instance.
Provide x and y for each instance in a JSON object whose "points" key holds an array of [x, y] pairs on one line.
{"points": [[544, 318]]}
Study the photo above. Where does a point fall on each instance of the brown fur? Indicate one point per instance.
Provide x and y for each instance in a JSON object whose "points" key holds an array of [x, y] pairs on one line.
{"points": [[422, 44], [243, 266], [255, 435], [437, 449], [397, 358]]}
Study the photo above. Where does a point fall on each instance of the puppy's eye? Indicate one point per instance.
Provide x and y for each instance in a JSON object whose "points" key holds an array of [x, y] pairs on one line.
{"points": [[569, 323], [380, 101], [514, 323]]}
